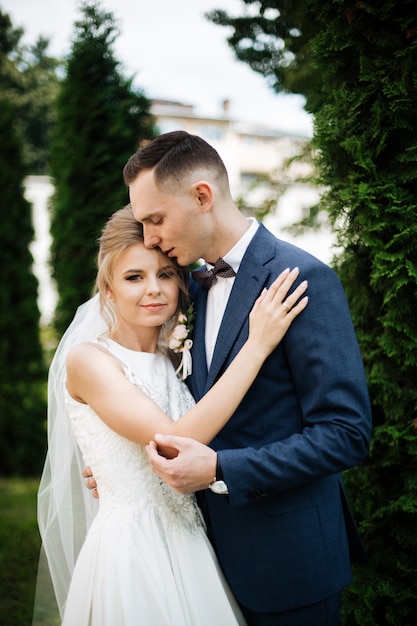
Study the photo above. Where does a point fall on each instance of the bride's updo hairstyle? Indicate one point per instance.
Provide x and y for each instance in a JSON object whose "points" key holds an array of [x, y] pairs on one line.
{"points": [[120, 233]]}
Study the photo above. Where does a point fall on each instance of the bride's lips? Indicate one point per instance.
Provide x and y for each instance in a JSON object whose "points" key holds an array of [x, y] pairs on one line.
{"points": [[154, 306]]}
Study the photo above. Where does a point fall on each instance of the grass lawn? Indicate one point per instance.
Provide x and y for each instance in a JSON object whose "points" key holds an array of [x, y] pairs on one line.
{"points": [[19, 550]]}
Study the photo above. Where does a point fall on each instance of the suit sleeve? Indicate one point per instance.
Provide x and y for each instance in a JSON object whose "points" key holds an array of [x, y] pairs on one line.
{"points": [[327, 416]]}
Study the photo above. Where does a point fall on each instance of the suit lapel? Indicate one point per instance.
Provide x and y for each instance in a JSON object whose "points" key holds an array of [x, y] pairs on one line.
{"points": [[249, 282], [197, 380]]}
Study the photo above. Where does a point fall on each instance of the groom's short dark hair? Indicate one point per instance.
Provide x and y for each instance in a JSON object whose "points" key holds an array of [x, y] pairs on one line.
{"points": [[173, 155]]}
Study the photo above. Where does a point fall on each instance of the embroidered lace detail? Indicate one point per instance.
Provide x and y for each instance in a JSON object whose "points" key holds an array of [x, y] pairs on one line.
{"points": [[128, 487]]}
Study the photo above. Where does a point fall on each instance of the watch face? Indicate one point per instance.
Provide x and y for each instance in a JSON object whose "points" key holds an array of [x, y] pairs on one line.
{"points": [[219, 487]]}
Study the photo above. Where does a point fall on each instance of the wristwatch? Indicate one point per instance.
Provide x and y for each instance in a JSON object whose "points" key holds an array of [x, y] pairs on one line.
{"points": [[218, 485]]}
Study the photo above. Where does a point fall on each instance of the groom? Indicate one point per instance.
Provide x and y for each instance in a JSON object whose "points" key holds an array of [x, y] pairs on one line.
{"points": [[273, 494]]}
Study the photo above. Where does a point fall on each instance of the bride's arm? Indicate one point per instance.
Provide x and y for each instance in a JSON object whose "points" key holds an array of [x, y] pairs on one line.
{"points": [[97, 380]]}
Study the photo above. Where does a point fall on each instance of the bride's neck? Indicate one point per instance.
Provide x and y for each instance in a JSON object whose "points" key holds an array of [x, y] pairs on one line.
{"points": [[140, 340]]}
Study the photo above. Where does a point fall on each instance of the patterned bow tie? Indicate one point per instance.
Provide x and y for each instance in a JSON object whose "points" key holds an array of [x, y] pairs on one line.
{"points": [[205, 278]]}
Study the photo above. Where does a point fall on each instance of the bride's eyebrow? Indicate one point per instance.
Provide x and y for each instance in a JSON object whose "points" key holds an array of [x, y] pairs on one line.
{"points": [[133, 271], [161, 269]]}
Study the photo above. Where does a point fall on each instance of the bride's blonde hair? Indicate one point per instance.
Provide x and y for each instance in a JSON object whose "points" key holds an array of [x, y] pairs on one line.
{"points": [[120, 233]]}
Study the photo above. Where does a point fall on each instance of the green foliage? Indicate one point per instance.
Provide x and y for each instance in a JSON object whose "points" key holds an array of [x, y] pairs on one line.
{"points": [[22, 402], [273, 37], [100, 122], [355, 63], [366, 134], [29, 81], [19, 550]]}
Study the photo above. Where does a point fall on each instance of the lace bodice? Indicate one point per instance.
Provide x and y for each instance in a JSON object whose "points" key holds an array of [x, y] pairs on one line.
{"points": [[126, 483]]}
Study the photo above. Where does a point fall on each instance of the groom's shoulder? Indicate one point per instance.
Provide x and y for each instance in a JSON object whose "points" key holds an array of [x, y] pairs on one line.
{"points": [[281, 251]]}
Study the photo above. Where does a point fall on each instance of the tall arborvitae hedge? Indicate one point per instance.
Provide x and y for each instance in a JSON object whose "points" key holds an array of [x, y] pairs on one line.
{"points": [[100, 121], [22, 373], [366, 134]]}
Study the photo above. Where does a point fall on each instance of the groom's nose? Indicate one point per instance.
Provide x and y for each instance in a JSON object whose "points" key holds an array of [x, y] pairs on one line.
{"points": [[150, 239]]}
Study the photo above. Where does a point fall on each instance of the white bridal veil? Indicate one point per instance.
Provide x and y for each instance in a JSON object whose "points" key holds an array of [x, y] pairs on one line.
{"points": [[66, 507]]}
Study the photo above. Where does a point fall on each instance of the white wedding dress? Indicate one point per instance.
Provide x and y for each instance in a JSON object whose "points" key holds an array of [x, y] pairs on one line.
{"points": [[146, 560]]}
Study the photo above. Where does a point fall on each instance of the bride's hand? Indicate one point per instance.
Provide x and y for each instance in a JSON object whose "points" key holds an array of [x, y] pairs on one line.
{"points": [[275, 310]]}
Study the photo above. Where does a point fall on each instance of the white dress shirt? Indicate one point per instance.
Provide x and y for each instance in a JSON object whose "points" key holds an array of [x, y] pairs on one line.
{"points": [[219, 293]]}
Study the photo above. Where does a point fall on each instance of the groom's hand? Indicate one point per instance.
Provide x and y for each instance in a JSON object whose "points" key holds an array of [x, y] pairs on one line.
{"points": [[193, 469], [90, 483]]}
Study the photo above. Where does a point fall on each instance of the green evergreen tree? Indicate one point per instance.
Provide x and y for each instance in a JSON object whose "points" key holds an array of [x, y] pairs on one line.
{"points": [[29, 81], [22, 372], [274, 38], [367, 137], [360, 82], [100, 122], [36, 102]]}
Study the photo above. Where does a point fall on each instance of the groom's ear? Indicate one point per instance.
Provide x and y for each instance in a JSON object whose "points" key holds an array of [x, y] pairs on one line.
{"points": [[203, 195]]}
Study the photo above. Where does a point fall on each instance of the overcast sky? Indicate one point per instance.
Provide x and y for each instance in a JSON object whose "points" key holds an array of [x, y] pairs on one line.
{"points": [[174, 52]]}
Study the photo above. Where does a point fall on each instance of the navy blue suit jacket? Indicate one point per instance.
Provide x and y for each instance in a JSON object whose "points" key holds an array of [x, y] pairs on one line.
{"points": [[284, 535]]}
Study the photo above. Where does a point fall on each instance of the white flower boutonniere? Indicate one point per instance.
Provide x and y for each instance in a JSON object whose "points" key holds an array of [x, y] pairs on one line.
{"points": [[180, 343]]}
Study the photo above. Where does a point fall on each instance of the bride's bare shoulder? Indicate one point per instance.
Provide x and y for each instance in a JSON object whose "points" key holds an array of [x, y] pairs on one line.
{"points": [[88, 353]]}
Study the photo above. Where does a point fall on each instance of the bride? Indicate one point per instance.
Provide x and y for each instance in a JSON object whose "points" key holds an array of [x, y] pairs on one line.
{"points": [[143, 556]]}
